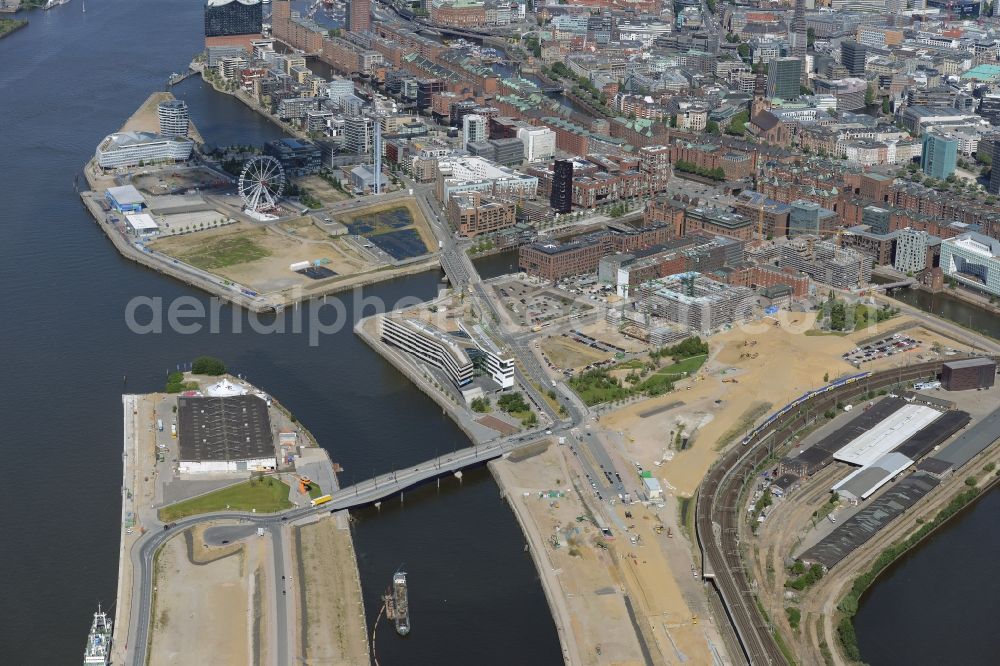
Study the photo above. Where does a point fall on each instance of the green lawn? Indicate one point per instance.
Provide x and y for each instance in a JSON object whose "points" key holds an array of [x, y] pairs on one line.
{"points": [[813, 332], [597, 386], [266, 495], [223, 252], [663, 378], [10, 25]]}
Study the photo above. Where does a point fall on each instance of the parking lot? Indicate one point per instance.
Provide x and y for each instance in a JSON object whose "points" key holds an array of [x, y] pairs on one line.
{"points": [[888, 346]]}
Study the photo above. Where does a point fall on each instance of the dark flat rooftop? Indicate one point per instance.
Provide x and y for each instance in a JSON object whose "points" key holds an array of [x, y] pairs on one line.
{"points": [[231, 428], [863, 525], [972, 442], [925, 439]]}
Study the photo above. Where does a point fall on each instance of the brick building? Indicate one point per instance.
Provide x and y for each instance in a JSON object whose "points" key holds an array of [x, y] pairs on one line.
{"points": [[471, 214]]}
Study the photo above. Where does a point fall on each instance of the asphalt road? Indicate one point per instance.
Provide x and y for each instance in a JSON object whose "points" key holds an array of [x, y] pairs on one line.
{"points": [[364, 493], [281, 597]]}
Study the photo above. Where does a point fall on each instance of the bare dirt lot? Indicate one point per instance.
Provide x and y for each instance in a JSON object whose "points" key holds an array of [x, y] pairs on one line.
{"points": [[321, 189], [592, 577], [334, 624], [176, 180], [259, 256], [206, 612], [739, 383], [571, 355]]}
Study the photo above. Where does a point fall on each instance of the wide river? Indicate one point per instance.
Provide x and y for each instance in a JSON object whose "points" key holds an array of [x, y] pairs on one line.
{"points": [[67, 80]]}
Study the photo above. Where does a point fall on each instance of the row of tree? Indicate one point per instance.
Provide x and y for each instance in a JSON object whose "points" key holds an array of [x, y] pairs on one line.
{"points": [[718, 173]]}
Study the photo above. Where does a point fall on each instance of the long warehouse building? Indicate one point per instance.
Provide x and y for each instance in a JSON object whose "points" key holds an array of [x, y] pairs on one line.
{"points": [[887, 435]]}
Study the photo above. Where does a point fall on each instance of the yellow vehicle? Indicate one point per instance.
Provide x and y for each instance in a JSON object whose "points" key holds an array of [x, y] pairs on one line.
{"points": [[322, 499]]}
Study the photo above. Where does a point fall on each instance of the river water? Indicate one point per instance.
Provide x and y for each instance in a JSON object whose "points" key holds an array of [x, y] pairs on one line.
{"points": [[932, 606], [68, 79]]}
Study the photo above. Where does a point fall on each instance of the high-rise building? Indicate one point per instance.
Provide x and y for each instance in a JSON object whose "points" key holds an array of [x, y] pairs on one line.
{"points": [[783, 78], [561, 199], [359, 17], [359, 134], [852, 57], [224, 18], [473, 129], [911, 250], [994, 185], [939, 155], [173, 116], [798, 35]]}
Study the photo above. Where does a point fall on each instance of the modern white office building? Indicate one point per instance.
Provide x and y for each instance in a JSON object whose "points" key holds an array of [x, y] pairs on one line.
{"points": [[473, 129], [173, 117], [539, 143], [462, 356], [973, 259], [475, 174], [491, 360], [128, 149], [430, 345]]}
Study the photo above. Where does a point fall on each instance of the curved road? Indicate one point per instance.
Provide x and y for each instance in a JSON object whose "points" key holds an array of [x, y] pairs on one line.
{"points": [[366, 492], [718, 514]]}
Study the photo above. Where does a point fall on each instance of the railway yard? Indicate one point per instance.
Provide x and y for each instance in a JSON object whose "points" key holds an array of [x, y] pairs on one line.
{"points": [[750, 559]]}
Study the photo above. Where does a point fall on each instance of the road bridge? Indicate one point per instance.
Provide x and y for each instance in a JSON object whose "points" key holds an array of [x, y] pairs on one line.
{"points": [[908, 282], [360, 494]]}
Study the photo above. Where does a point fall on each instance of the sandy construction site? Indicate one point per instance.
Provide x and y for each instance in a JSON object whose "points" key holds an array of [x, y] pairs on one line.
{"points": [[259, 256], [592, 582], [333, 630], [209, 602], [752, 370]]}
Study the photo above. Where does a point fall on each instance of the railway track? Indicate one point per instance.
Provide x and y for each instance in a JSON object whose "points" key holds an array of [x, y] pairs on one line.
{"points": [[718, 507]]}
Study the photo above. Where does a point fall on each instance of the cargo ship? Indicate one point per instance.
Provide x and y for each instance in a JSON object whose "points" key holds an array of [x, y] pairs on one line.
{"points": [[397, 605], [98, 650]]}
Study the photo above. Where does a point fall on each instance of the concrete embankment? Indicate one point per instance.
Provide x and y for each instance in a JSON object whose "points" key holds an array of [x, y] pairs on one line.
{"points": [[550, 585], [174, 269]]}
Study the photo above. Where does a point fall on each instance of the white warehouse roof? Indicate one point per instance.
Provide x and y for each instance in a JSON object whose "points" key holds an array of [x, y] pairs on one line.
{"points": [[887, 435], [861, 483], [142, 222]]}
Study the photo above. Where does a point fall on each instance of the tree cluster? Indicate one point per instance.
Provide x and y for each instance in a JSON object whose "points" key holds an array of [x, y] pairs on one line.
{"points": [[718, 173]]}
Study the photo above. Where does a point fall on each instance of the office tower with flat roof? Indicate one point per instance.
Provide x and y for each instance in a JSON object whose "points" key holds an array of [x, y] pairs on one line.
{"points": [[473, 129], [939, 155], [852, 57], [561, 198], [783, 77], [359, 17]]}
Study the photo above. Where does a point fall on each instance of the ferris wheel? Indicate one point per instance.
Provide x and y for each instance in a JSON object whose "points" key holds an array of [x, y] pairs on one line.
{"points": [[261, 183]]}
